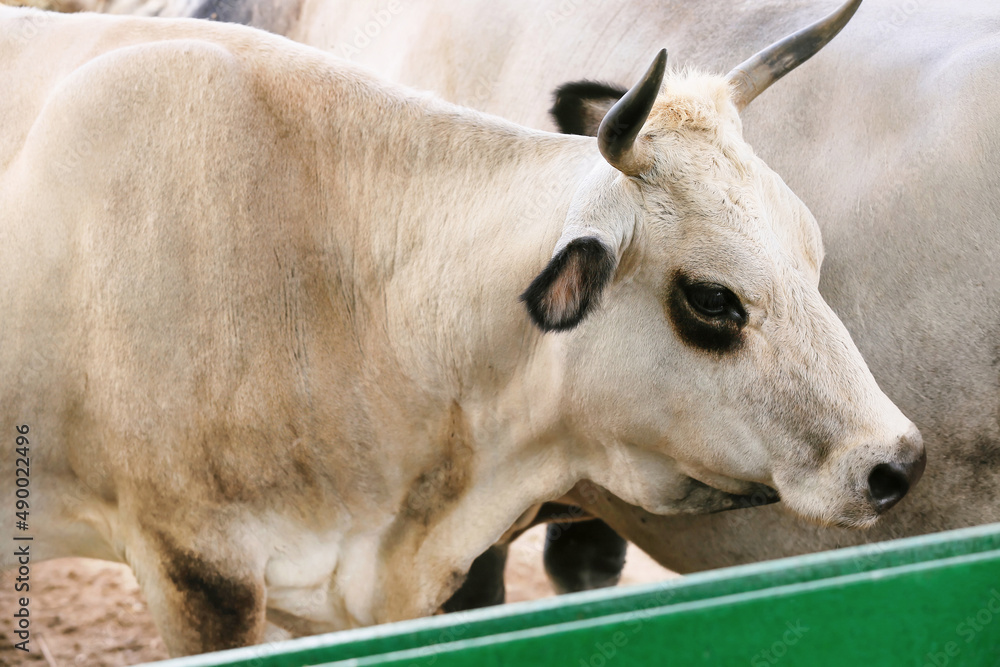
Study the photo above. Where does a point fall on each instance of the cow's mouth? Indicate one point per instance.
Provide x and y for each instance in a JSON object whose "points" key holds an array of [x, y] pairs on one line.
{"points": [[704, 499], [760, 495]]}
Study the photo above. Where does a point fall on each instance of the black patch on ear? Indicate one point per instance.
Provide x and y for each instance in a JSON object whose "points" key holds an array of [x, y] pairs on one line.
{"points": [[580, 106], [566, 290], [712, 334]]}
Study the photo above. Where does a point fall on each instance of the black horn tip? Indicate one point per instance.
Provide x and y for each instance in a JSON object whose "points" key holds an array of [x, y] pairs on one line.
{"points": [[660, 62], [623, 122]]}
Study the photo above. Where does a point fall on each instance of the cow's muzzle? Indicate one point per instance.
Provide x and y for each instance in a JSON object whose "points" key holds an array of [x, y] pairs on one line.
{"points": [[889, 482]]}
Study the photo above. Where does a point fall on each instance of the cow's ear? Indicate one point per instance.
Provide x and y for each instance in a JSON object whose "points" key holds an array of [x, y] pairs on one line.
{"points": [[580, 106], [571, 285]]}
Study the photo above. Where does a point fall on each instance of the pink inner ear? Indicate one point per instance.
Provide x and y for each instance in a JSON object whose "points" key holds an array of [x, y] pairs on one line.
{"points": [[563, 297]]}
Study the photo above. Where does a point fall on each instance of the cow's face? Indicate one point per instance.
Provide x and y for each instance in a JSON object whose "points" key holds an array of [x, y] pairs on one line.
{"points": [[687, 276]]}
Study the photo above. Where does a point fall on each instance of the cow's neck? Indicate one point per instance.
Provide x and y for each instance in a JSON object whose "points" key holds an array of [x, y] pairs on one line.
{"points": [[446, 217]]}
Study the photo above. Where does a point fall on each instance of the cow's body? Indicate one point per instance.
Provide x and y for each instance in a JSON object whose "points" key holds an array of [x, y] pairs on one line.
{"points": [[261, 321], [217, 351], [891, 135]]}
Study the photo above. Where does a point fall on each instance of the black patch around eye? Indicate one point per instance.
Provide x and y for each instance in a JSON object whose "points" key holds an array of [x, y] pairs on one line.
{"points": [[706, 316], [580, 105]]}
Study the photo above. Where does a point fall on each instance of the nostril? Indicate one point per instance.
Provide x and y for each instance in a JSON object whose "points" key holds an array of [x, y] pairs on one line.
{"points": [[889, 482]]}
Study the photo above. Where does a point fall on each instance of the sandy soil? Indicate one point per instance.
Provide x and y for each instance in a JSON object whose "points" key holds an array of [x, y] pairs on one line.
{"points": [[91, 613]]}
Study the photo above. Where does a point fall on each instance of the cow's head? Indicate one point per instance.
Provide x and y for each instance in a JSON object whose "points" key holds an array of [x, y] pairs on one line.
{"points": [[687, 279]]}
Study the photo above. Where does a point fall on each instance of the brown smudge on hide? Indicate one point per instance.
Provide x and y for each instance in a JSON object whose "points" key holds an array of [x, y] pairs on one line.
{"points": [[447, 478], [226, 477], [431, 496], [679, 111], [226, 485], [817, 450], [244, 466], [225, 611]]}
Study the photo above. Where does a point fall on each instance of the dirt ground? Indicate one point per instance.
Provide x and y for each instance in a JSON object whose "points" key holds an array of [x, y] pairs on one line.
{"points": [[91, 613]]}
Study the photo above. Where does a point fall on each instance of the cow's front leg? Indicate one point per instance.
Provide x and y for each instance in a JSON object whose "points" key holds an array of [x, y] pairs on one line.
{"points": [[484, 585], [583, 555], [200, 602]]}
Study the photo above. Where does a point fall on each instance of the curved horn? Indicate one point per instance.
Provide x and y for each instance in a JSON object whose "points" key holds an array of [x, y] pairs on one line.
{"points": [[617, 133], [753, 76]]}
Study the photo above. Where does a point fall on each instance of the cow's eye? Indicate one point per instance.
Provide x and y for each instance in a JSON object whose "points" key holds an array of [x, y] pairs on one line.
{"points": [[706, 315], [715, 302]]}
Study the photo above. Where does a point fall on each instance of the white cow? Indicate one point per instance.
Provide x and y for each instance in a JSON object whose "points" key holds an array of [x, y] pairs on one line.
{"points": [[262, 327], [891, 136]]}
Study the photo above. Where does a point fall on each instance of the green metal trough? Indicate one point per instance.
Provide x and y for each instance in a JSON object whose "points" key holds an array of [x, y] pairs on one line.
{"points": [[930, 601]]}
